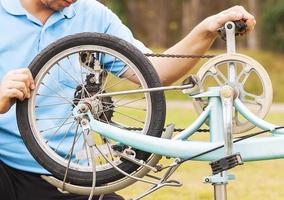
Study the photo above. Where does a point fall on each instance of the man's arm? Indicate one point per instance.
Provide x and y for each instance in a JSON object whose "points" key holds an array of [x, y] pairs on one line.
{"points": [[198, 41]]}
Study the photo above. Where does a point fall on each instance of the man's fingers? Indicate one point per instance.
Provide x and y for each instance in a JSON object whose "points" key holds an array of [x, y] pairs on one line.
{"points": [[15, 93], [22, 75], [249, 18], [32, 84], [231, 16], [20, 86]]}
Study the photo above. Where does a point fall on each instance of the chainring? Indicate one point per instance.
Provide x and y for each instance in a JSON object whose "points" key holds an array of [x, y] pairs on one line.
{"points": [[256, 95]]}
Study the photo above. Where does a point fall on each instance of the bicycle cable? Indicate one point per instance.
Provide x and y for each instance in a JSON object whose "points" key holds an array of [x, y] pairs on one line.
{"points": [[221, 146]]}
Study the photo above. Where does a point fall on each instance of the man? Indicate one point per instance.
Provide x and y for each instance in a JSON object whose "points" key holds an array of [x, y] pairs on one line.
{"points": [[27, 26]]}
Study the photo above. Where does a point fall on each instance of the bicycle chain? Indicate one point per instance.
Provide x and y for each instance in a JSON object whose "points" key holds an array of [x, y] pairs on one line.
{"points": [[174, 56], [178, 56], [175, 130]]}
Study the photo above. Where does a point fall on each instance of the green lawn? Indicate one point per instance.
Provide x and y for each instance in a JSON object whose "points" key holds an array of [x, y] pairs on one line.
{"points": [[254, 180]]}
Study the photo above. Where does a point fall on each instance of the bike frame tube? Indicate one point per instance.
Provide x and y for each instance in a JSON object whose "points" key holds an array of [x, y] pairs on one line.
{"points": [[216, 120], [195, 125], [260, 123], [260, 148]]}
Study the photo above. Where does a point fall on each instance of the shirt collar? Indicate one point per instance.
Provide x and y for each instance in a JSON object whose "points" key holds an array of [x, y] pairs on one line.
{"points": [[15, 7], [68, 12]]}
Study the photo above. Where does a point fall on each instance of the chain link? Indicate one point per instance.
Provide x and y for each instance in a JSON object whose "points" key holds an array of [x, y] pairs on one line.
{"points": [[175, 130], [178, 56]]}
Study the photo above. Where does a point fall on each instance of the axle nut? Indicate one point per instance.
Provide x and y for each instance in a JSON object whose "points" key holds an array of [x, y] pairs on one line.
{"points": [[227, 91]]}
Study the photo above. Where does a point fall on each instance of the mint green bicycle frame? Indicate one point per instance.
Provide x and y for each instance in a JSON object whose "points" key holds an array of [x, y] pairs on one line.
{"points": [[258, 148], [218, 114]]}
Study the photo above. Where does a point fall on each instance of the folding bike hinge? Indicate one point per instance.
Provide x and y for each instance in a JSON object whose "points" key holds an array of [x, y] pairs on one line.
{"points": [[226, 163]]}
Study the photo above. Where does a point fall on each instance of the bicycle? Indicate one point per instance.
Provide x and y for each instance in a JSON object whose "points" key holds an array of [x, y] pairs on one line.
{"points": [[109, 88]]}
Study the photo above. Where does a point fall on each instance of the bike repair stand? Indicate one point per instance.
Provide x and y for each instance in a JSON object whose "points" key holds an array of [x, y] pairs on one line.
{"points": [[220, 176]]}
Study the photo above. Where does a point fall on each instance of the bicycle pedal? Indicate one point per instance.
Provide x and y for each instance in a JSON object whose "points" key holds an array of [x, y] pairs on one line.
{"points": [[226, 163], [195, 82]]}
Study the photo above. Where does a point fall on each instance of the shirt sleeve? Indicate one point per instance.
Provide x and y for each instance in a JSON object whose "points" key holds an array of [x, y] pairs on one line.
{"points": [[113, 26]]}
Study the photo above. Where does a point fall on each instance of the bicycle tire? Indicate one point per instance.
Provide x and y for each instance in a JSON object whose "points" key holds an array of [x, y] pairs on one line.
{"points": [[157, 104]]}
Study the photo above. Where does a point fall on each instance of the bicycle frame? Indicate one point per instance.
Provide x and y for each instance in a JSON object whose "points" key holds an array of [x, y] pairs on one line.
{"points": [[260, 148], [218, 113]]}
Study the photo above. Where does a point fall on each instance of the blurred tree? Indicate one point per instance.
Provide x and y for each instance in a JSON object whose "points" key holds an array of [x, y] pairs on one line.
{"points": [[119, 7], [161, 23], [253, 39], [135, 19], [273, 26], [190, 15], [157, 21]]}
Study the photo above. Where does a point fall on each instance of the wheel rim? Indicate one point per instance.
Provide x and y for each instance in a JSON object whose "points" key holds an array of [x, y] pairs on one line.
{"points": [[58, 65]]}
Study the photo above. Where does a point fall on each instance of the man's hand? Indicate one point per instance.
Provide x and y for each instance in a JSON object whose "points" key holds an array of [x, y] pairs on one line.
{"points": [[16, 84], [232, 14], [198, 41]]}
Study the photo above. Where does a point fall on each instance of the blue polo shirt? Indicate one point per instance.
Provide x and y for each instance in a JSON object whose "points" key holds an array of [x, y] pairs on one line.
{"points": [[22, 37]]}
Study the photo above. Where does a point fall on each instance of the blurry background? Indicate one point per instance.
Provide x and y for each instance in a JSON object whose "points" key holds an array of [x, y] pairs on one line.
{"points": [[160, 24]]}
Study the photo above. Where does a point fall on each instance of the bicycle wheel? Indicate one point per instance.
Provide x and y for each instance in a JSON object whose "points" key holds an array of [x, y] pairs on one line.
{"points": [[69, 72]]}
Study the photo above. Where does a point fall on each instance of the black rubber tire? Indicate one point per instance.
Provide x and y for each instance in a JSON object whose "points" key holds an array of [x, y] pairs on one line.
{"points": [[157, 100]]}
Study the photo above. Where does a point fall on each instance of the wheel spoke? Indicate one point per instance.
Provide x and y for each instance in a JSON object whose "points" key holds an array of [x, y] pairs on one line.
{"points": [[129, 102], [246, 76], [86, 151], [133, 118], [250, 102], [114, 105], [71, 102], [120, 81], [251, 96], [66, 72], [57, 97], [64, 124], [58, 128], [217, 79], [64, 137], [50, 118], [51, 105], [103, 88], [223, 77], [105, 140], [71, 154]]}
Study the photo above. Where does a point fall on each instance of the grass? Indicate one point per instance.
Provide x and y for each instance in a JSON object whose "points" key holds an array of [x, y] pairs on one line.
{"points": [[254, 180]]}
